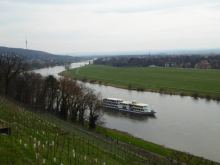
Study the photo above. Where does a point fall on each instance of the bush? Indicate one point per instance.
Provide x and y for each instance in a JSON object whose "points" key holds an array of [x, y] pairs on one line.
{"points": [[161, 90], [84, 79], [208, 97], [140, 89], [182, 94], [195, 95], [129, 86], [92, 81]]}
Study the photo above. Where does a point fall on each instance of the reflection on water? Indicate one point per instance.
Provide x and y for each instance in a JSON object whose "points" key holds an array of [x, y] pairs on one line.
{"points": [[182, 122]]}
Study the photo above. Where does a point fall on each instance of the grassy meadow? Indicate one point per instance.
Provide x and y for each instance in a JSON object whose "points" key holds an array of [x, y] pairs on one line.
{"points": [[193, 82]]}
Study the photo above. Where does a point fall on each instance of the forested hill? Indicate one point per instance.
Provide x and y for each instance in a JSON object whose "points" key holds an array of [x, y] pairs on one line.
{"points": [[39, 59]]}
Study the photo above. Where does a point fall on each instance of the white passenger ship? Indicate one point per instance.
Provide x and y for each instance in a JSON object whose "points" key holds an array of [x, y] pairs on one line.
{"points": [[127, 106]]}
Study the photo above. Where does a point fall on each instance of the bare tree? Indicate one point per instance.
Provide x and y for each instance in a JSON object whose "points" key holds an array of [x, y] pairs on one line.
{"points": [[51, 86], [75, 101], [11, 66], [94, 105], [66, 97], [66, 93], [82, 107]]}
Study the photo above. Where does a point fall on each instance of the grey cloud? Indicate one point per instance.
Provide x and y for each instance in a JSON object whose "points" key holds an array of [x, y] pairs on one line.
{"points": [[53, 2], [158, 7], [137, 9]]}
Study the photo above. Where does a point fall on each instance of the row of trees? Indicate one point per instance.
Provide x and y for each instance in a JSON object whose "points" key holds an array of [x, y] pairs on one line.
{"points": [[182, 61], [63, 97]]}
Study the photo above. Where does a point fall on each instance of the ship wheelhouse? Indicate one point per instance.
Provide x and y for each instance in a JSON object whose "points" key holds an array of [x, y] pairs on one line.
{"points": [[111, 102], [139, 107]]}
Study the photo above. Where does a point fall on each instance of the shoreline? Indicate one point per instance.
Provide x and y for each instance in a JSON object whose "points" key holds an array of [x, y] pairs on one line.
{"points": [[129, 141], [182, 93], [151, 148]]}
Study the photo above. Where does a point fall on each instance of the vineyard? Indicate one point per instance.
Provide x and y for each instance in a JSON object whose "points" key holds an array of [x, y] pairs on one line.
{"points": [[39, 138], [37, 141]]}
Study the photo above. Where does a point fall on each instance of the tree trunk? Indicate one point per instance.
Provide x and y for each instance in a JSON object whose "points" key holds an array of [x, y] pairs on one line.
{"points": [[6, 86]]}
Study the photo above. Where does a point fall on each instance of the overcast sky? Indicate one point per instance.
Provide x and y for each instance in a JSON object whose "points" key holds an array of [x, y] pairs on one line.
{"points": [[110, 25]]}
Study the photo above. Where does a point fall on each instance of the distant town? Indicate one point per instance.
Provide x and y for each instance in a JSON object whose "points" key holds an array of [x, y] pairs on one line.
{"points": [[179, 61]]}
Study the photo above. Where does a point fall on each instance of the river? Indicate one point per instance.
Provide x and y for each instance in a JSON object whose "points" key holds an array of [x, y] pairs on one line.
{"points": [[183, 123]]}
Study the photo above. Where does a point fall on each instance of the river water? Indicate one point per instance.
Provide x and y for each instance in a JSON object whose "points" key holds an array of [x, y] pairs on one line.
{"points": [[183, 123]]}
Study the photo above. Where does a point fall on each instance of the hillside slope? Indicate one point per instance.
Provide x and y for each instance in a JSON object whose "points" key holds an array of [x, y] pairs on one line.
{"points": [[39, 138], [38, 59], [34, 140], [29, 54]]}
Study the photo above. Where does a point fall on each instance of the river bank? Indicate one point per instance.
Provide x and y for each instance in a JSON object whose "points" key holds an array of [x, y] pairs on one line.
{"points": [[115, 142], [185, 82], [178, 120]]}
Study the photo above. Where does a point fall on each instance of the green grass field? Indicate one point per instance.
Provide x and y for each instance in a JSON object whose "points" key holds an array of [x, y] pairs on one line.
{"points": [[193, 82]]}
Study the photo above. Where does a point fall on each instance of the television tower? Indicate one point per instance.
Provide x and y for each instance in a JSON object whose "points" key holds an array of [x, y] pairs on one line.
{"points": [[26, 43]]}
